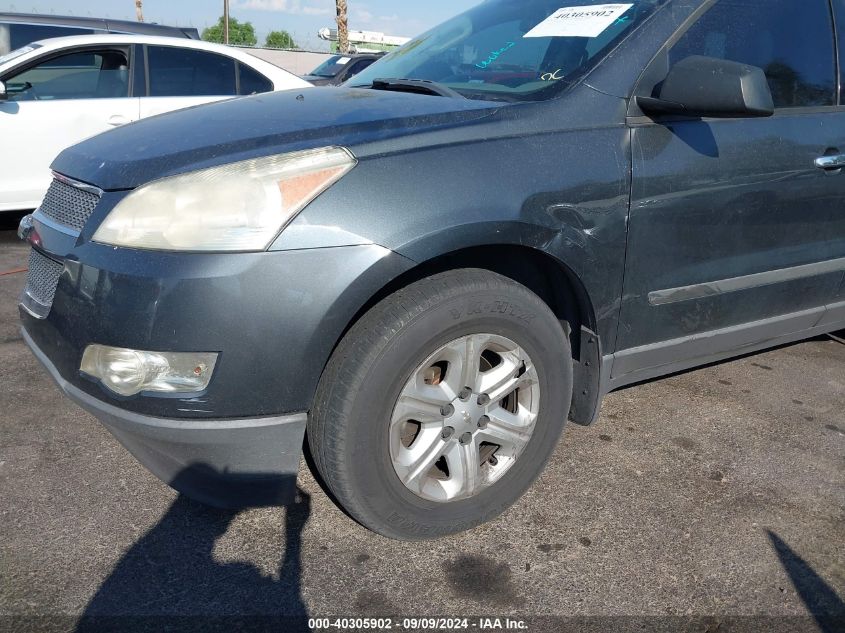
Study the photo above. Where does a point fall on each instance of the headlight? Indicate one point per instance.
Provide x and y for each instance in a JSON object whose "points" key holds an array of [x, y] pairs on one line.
{"points": [[128, 372], [237, 207]]}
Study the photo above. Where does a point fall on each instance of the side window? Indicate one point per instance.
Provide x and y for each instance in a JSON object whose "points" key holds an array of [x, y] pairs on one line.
{"points": [[791, 40], [23, 34], [252, 82], [79, 75], [358, 67], [184, 72]]}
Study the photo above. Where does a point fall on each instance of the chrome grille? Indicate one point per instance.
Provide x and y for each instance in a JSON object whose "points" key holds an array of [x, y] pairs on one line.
{"points": [[68, 205], [43, 278]]}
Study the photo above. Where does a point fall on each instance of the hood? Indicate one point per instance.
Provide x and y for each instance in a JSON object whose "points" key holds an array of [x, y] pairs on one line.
{"points": [[317, 80], [262, 125]]}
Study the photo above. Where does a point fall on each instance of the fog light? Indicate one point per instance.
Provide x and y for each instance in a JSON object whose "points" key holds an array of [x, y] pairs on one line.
{"points": [[128, 372]]}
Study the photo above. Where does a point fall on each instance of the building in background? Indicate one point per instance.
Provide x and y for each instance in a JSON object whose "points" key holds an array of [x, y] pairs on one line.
{"points": [[365, 41]]}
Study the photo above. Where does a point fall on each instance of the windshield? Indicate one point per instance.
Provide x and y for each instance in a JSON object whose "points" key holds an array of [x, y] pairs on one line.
{"points": [[17, 53], [514, 49], [331, 67]]}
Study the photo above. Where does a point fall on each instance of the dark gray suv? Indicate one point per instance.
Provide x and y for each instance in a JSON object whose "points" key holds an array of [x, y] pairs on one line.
{"points": [[19, 29], [339, 68], [529, 206]]}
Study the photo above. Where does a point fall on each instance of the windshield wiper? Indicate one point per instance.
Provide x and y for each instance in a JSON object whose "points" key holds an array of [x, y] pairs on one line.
{"points": [[416, 86]]}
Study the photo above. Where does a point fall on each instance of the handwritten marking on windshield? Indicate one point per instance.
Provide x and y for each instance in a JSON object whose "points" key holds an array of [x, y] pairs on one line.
{"points": [[551, 76], [494, 56]]}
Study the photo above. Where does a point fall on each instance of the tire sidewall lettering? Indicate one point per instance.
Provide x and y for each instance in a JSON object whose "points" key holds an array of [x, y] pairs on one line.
{"points": [[495, 306]]}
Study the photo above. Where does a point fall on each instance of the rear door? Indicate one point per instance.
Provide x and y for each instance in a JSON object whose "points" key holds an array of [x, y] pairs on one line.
{"points": [[183, 77], [55, 102], [736, 235]]}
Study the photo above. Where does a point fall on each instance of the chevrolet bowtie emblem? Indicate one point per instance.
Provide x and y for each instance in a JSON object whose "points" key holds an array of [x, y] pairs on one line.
{"points": [[26, 227]]}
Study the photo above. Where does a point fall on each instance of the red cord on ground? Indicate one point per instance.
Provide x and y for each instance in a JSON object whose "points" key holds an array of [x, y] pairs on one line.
{"points": [[14, 272]]}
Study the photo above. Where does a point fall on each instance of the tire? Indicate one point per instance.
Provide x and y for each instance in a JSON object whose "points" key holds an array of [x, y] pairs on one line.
{"points": [[351, 425]]}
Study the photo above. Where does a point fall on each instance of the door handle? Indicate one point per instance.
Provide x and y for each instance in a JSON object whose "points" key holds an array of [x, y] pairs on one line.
{"points": [[831, 162], [118, 119]]}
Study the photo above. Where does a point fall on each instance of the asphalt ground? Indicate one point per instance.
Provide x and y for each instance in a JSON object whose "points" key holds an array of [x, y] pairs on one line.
{"points": [[708, 501]]}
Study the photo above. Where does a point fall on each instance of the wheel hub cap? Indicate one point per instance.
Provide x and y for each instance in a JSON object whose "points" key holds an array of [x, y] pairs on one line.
{"points": [[464, 417]]}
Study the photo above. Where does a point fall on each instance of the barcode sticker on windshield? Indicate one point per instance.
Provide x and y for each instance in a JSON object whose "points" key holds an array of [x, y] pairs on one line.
{"points": [[589, 21]]}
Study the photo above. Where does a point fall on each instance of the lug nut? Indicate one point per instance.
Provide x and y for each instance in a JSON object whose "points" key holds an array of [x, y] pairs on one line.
{"points": [[466, 438], [483, 421], [447, 410], [465, 393], [483, 399], [448, 432]]}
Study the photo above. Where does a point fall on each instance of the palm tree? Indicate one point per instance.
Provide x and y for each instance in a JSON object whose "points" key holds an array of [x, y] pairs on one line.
{"points": [[139, 10], [342, 27]]}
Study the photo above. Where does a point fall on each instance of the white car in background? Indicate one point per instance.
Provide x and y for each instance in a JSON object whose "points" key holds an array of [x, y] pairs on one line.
{"points": [[57, 92]]}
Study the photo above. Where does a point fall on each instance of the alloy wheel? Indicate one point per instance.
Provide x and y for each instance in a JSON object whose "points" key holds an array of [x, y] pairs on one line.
{"points": [[464, 417]]}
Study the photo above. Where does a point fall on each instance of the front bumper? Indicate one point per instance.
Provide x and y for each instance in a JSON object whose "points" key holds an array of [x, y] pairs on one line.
{"points": [[235, 463], [273, 318]]}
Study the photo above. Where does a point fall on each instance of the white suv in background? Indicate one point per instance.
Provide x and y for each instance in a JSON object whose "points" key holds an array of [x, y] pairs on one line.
{"points": [[57, 92]]}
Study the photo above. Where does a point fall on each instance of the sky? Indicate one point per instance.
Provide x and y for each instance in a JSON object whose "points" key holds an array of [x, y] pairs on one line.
{"points": [[302, 18]]}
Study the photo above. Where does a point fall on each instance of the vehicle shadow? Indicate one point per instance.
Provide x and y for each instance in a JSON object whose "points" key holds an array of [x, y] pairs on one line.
{"points": [[169, 580], [733, 359], [821, 600]]}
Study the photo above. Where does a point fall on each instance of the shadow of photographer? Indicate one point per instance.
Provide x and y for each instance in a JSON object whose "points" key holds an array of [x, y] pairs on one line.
{"points": [[820, 599], [169, 580]]}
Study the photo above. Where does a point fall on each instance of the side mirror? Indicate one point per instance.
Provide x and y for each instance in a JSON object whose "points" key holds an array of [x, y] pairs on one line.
{"points": [[708, 87], [3, 94]]}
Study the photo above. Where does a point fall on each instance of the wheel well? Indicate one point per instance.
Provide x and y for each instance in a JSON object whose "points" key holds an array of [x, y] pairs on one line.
{"points": [[548, 278]]}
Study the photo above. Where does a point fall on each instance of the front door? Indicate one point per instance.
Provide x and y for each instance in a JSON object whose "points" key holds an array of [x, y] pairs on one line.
{"points": [[736, 233], [51, 105]]}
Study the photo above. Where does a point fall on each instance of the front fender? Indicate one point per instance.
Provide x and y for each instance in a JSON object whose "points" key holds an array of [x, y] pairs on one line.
{"points": [[564, 193]]}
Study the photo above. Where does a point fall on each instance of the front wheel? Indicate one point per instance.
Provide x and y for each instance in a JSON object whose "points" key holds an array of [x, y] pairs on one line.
{"points": [[442, 405]]}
